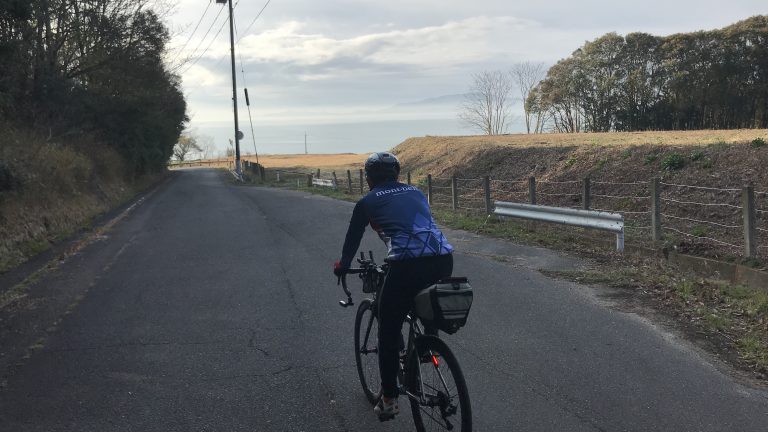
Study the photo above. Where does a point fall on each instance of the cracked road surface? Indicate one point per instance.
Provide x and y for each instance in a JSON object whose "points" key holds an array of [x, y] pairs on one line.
{"points": [[212, 307]]}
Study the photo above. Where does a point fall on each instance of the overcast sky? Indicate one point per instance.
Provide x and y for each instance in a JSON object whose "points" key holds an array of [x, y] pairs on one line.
{"points": [[310, 62]]}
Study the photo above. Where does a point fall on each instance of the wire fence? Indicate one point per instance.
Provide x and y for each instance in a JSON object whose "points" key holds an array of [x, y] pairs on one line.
{"points": [[702, 218], [761, 222], [696, 219]]}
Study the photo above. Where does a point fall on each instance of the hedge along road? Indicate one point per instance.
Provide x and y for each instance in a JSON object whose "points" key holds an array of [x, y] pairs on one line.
{"points": [[218, 311]]}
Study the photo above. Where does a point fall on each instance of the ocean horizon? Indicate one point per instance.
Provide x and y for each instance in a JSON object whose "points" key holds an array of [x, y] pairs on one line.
{"points": [[352, 137]]}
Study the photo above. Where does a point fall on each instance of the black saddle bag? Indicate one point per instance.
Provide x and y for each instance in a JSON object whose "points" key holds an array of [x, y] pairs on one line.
{"points": [[445, 305]]}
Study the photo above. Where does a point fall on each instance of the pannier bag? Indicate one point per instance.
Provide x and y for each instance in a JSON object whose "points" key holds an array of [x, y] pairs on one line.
{"points": [[445, 305]]}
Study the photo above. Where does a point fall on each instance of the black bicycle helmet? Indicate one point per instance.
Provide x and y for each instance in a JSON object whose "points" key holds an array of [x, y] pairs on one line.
{"points": [[382, 166]]}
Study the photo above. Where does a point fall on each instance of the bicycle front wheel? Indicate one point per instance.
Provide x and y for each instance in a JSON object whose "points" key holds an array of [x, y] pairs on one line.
{"points": [[367, 349], [436, 388]]}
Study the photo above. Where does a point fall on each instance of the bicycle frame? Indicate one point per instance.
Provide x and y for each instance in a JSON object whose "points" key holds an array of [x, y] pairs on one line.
{"points": [[414, 327], [435, 393]]}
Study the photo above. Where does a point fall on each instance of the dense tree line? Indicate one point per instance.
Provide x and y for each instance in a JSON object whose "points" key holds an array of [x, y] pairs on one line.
{"points": [[73, 67], [703, 80]]}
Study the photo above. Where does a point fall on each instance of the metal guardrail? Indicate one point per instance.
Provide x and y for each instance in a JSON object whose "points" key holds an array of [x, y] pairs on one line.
{"points": [[612, 222], [324, 183]]}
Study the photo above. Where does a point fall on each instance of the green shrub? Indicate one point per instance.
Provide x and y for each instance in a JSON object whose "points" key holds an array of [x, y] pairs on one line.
{"points": [[651, 158], [758, 142], [626, 154], [699, 231], [572, 160], [675, 161], [697, 155], [708, 163]]}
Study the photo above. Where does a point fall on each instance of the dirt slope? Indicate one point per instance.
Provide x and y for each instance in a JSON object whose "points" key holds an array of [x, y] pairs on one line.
{"points": [[727, 159]]}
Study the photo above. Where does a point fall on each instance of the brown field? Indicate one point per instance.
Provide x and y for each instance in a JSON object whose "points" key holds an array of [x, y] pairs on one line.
{"points": [[343, 160], [670, 138]]}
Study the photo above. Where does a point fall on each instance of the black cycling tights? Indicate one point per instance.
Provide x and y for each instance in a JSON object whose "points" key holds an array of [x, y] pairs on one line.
{"points": [[405, 279]]}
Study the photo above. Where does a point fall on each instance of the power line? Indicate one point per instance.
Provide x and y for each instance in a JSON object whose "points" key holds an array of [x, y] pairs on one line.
{"points": [[204, 36], [237, 34], [247, 99], [193, 32], [254, 20], [206, 48], [212, 40]]}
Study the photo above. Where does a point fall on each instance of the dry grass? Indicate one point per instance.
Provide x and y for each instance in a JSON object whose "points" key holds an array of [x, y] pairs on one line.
{"points": [[343, 160], [669, 138], [58, 188]]}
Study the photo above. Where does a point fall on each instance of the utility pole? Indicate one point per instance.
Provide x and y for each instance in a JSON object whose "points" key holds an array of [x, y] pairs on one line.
{"points": [[305, 143], [238, 134]]}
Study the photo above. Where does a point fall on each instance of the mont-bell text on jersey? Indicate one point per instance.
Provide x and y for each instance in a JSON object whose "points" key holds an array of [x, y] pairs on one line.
{"points": [[398, 189]]}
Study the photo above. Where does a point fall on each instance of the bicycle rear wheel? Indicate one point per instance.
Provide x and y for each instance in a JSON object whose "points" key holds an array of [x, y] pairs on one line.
{"points": [[437, 390], [367, 349]]}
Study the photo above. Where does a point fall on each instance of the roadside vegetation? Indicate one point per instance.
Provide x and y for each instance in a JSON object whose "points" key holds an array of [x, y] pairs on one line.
{"points": [[50, 190], [89, 114]]}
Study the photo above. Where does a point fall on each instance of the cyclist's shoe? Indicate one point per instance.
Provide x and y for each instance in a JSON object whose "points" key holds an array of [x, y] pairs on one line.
{"points": [[386, 411]]}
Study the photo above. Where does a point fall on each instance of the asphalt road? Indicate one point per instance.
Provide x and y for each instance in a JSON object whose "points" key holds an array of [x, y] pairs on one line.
{"points": [[212, 307]]}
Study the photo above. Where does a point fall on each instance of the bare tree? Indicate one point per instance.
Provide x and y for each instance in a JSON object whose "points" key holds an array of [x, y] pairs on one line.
{"points": [[186, 145], [527, 75], [207, 146], [486, 106]]}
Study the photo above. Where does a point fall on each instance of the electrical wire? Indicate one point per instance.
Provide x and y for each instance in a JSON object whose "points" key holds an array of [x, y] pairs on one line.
{"points": [[215, 20], [192, 34], [254, 20], [247, 100], [206, 48]]}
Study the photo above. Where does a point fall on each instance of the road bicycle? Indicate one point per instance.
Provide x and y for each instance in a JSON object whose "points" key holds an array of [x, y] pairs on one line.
{"points": [[430, 376]]}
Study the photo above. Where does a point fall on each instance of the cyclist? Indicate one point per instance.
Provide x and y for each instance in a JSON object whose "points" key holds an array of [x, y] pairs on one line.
{"points": [[418, 253]]}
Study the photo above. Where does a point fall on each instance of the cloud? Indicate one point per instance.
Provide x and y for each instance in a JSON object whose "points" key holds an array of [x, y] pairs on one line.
{"points": [[452, 43], [203, 77]]}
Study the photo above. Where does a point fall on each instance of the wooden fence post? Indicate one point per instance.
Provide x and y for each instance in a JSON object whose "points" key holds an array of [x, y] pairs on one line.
{"points": [[455, 192], [278, 176], [362, 190], [586, 197], [409, 177], [655, 210], [262, 172], [349, 181], [318, 174], [532, 189], [309, 180], [335, 181], [750, 218], [487, 188], [429, 189]]}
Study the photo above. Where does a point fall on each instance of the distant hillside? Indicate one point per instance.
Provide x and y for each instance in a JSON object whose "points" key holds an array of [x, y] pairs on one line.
{"points": [[452, 100]]}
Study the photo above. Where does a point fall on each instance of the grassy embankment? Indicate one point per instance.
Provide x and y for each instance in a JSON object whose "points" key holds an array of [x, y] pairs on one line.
{"points": [[51, 188], [730, 321]]}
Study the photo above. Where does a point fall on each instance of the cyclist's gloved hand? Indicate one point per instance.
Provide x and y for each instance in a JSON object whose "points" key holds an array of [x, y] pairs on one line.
{"points": [[338, 270]]}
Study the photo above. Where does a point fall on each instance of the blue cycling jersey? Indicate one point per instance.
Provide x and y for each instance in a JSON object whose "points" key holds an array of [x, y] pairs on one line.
{"points": [[400, 214]]}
